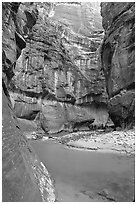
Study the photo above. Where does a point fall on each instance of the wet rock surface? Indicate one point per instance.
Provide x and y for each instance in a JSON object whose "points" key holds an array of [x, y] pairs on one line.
{"points": [[118, 60]]}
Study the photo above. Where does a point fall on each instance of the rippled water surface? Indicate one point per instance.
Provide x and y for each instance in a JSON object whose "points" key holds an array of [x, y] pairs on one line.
{"points": [[85, 175]]}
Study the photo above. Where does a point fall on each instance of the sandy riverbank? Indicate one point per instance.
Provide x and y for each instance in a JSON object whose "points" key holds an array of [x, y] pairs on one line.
{"points": [[116, 141], [97, 140]]}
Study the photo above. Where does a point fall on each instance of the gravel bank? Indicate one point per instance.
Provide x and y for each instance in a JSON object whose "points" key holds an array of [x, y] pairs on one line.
{"points": [[116, 141]]}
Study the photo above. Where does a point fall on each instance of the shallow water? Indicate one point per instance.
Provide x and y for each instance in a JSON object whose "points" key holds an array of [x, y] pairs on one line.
{"points": [[85, 175]]}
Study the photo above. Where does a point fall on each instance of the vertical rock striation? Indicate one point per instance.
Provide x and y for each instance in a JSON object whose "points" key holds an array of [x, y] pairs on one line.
{"points": [[118, 60]]}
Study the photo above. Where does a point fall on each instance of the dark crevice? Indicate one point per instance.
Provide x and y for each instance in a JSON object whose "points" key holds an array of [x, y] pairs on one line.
{"points": [[20, 41], [5, 89], [31, 116], [31, 19], [131, 86]]}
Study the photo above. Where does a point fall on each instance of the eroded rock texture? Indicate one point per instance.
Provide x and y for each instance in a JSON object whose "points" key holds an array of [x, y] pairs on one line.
{"points": [[24, 177], [57, 78], [118, 60]]}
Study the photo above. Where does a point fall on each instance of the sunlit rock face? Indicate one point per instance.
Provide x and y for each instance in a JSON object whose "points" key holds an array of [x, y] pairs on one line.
{"points": [[82, 18], [118, 60], [59, 65], [24, 177], [82, 34]]}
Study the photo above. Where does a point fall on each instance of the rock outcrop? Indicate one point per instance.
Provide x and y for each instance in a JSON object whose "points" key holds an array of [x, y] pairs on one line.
{"points": [[118, 60], [57, 74], [24, 177]]}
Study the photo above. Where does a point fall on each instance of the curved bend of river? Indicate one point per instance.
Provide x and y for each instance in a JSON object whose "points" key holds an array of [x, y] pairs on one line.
{"points": [[87, 176]]}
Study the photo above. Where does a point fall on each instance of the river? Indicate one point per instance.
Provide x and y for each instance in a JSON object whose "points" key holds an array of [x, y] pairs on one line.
{"points": [[87, 176]]}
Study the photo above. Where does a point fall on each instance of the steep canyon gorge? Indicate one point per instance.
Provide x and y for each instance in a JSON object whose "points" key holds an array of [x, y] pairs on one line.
{"points": [[66, 67]]}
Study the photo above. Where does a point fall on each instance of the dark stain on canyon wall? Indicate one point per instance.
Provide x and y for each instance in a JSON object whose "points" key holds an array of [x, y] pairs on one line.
{"points": [[118, 60], [24, 177]]}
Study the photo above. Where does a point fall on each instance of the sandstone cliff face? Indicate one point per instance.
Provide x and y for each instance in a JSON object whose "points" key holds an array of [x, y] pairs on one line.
{"points": [[118, 60], [24, 177], [58, 70]]}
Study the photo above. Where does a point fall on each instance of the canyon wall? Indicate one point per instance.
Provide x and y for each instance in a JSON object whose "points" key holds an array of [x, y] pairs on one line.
{"points": [[57, 78], [24, 177], [118, 60]]}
